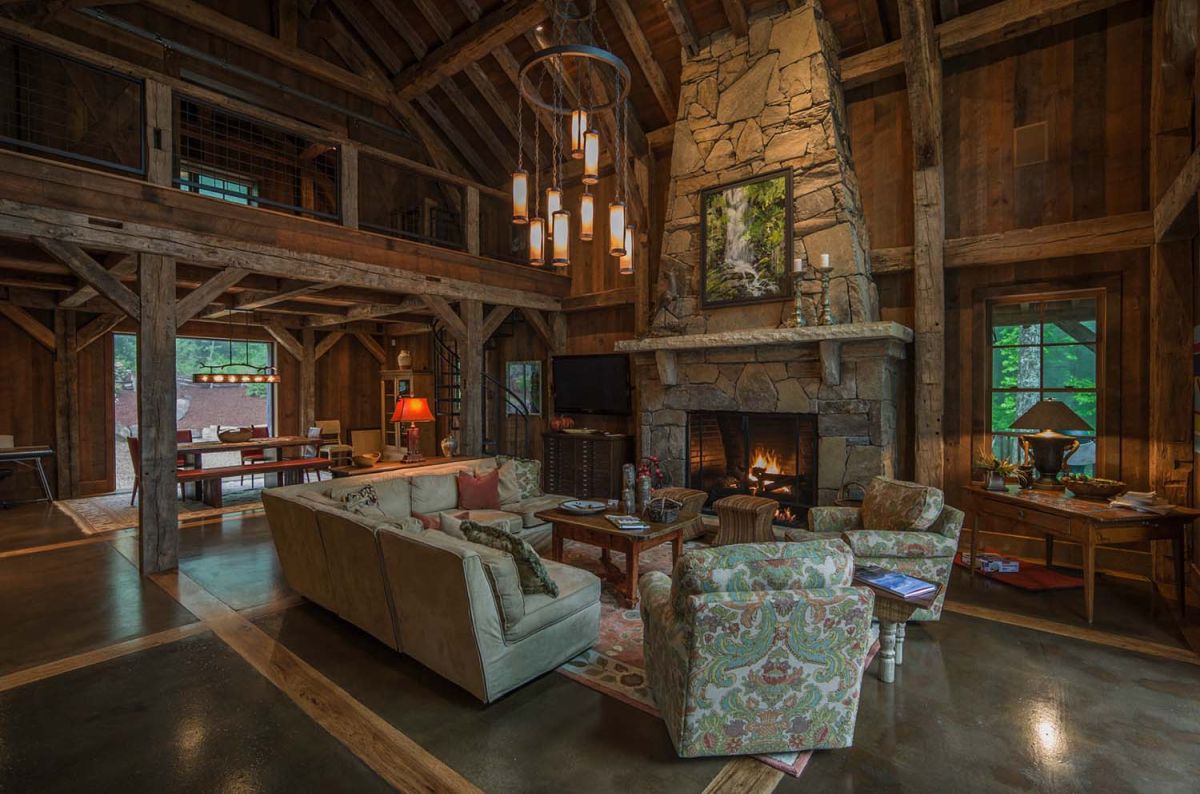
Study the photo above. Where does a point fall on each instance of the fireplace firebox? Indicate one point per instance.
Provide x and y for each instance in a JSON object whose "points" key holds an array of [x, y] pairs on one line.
{"points": [[771, 455]]}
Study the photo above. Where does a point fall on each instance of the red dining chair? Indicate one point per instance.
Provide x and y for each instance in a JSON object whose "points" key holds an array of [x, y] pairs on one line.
{"points": [[183, 437], [252, 456], [135, 456]]}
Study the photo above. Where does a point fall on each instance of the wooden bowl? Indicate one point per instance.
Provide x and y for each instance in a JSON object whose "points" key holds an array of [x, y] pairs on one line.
{"points": [[365, 460], [236, 436], [1095, 488]]}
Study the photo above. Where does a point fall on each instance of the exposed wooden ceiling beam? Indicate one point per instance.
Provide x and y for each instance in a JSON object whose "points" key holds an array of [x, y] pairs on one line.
{"points": [[371, 311], [685, 28], [376, 42], [467, 109], [30, 325], [469, 45], [199, 298], [455, 136], [249, 301], [391, 13], [91, 272], [123, 265], [735, 12], [1001, 22], [627, 21], [1179, 196], [872, 22]]}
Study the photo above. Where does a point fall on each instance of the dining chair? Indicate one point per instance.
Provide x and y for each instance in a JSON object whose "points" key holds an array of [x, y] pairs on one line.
{"points": [[334, 449], [135, 456], [252, 456], [312, 450]]}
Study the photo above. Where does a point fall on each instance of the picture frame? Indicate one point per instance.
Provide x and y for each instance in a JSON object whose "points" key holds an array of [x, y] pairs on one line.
{"points": [[762, 270], [524, 379]]}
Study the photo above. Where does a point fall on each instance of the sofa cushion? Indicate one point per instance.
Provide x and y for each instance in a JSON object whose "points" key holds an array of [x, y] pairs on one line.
{"points": [[410, 526], [528, 474], [451, 521], [360, 499], [395, 496], [577, 589], [479, 492], [510, 483], [876, 543], [534, 578], [528, 509], [895, 505], [433, 493]]}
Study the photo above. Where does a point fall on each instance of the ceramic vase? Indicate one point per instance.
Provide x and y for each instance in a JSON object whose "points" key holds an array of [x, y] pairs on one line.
{"points": [[449, 446], [994, 481]]}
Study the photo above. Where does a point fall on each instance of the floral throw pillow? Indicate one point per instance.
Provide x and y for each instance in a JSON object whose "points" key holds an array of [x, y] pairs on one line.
{"points": [[527, 473], [534, 576], [362, 501]]}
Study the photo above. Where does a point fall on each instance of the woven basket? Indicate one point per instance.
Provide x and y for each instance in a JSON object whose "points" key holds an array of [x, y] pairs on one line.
{"points": [[663, 510]]}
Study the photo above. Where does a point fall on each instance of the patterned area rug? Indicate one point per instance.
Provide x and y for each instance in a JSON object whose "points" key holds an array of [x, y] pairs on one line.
{"points": [[111, 512], [615, 665]]}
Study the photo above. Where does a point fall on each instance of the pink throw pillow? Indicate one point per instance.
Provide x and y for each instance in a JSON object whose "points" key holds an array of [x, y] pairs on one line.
{"points": [[479, 493], [428, 521]]}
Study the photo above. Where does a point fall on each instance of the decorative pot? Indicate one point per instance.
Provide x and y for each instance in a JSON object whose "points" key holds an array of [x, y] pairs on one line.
{"points": [[449, 446], [1025, 477], [404, 359], [994, 481], [556, 423]]}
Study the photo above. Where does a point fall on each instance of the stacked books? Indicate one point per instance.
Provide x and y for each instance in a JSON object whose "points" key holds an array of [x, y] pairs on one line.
{"points": [[899, 584], [627, 523], [993, 563], [1143, 501]]}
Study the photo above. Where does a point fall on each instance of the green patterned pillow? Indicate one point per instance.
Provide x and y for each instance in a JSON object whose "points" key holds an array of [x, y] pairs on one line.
{"points": [[534, 576], [528, 475]]}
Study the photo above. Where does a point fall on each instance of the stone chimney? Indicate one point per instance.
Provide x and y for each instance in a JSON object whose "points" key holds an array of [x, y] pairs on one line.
{"points": [[753, 105]]}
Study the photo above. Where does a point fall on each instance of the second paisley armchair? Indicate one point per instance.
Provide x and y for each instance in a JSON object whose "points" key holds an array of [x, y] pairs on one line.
{"points": [[901, 526], [757, 648]]}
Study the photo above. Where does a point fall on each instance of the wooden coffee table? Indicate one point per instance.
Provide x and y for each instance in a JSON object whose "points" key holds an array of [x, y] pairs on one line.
{"points": [[595, 530], [893, 612]]}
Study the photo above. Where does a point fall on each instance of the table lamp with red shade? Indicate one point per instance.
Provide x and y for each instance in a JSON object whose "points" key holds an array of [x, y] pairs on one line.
{"points": [[412, 410]]}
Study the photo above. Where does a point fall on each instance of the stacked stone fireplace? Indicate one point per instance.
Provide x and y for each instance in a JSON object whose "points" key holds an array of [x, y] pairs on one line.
{"points": [[719, 376]]}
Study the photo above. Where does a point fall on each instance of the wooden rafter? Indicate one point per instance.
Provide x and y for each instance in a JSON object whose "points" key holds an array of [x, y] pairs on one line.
{"points": [[371, 346], [445, 312], [285, 339], [1178, 197], [93, 273], [468, 110], [326, 344], [369, 311], [453, 134], [685, 28], [30, 325], [196, 301], [249, 301], [469, 45], [96, 330], [376, 42], [627, 21], [735, 12], [872, 22], [495, 318], [125, 265]]}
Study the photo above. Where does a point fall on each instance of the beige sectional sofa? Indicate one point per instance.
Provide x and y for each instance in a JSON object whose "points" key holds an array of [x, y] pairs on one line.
{"points": [[455, 606]]}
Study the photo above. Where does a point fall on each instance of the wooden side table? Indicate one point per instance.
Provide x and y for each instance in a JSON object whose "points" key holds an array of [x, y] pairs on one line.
{"points": [[893, 612]]}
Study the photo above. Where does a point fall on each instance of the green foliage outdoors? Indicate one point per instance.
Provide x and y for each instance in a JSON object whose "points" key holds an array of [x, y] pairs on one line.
{"points": [[764, 235], [190, 356]]}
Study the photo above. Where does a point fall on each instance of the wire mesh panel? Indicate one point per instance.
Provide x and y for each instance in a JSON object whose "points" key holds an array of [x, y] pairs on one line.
{"points": [[244, 161], [56, 106], [395, 201]]}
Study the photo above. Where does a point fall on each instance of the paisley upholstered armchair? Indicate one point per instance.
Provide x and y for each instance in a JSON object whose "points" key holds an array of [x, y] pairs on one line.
{"points": [[901, 526], [757, 648]]}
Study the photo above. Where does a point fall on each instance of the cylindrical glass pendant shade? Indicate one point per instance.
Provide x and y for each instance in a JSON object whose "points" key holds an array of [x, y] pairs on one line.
{"points": [[537, 241], [587, 216], [579, 126], [553, 205], [520, 196], [561, 224], [616, 228], [625, 264], [591, 157]]}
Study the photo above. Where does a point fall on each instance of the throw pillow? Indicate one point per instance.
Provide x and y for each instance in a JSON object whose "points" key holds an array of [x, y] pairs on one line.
{"points": [[361, 500], [479, 493], [528, 474], [895, 505], [452, 524], [428, 521], [510, 483], [534, 576]]}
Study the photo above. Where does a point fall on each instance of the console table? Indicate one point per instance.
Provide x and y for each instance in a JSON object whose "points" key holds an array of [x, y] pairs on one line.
{"points": [[1090, 523]]}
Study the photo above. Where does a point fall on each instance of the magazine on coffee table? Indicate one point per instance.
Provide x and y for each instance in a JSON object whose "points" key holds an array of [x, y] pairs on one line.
{"points": [[627, 522], [900, 584]]}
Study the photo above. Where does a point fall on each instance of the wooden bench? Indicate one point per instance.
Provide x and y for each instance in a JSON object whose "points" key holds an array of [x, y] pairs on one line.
{"points": [[291, 472]]}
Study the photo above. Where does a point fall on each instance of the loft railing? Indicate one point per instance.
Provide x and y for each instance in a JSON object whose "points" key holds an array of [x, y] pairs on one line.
{"points": [[57, 106], [101, 112]]}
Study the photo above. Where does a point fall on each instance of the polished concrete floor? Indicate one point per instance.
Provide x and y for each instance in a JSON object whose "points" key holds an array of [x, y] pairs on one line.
{"points": [[978, 705]]}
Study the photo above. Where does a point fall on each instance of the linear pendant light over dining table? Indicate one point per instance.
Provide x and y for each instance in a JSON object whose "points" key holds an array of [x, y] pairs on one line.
{"points": [[575, 78]]}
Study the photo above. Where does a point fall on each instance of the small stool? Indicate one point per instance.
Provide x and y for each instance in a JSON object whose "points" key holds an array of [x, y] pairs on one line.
{"points": [[745, 519], [692, 501]]}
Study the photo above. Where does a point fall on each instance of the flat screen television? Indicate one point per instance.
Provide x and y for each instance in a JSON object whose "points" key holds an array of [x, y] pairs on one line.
{"points": [[592, 385]]}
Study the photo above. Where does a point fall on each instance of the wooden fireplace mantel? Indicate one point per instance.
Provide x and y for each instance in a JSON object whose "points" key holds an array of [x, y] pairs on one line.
{"points": [[828, 338]]}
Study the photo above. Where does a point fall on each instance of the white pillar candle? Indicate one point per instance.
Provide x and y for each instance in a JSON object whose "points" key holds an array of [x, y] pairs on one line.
{"points": [[798, 265], [824, 261]]}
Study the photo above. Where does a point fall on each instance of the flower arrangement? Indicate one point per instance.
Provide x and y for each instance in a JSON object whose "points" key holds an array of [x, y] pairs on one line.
{"points": [[995, 469], [651, 467]]}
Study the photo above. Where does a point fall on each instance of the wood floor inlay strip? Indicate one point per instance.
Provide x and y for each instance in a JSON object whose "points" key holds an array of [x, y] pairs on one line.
{"points": [[50, 669], [393, 756], [1075, 632], [744, 776], [66, 544]]}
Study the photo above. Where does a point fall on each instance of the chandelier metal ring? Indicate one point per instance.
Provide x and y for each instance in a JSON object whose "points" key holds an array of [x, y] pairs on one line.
{"points": [[584, 51]]}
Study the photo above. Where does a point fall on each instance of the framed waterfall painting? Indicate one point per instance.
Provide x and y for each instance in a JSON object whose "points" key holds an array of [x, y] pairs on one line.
{"points": [[746, 240]]}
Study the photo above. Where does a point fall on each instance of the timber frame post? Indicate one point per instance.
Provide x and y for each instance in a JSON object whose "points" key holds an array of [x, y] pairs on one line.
{"points": [[158, 521], [923, 67], [471, 357], [66, 400], [308, 379]]}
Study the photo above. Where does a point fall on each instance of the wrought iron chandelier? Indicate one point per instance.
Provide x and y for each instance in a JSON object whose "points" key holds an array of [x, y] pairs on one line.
{"points": [[575, 79], [215, 373]]}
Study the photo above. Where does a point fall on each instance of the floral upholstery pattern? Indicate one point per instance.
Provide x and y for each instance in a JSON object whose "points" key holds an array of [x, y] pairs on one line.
{"points": [[361, 500], [757, 648], [834, 519], [895, 505], [528, 475], [877, 543]]}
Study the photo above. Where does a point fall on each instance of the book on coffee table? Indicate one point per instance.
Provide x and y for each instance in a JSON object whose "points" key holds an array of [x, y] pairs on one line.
{"points": [[900, 584], [627, 522]]}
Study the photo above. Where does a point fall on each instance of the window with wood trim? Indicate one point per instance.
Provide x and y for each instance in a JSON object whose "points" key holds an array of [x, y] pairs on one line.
{"points": [[1044, 347]]}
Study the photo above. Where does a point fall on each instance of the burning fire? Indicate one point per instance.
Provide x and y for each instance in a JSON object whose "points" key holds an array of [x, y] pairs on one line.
{"points": [[765, 460]]}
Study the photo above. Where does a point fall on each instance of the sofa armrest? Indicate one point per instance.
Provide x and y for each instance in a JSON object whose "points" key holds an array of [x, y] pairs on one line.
{"points": [[834, 519], [891, 543], [950, 523]]}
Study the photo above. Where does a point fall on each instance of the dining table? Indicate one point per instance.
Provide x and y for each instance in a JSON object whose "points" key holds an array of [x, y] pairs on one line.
{"points": [[194, 452]]}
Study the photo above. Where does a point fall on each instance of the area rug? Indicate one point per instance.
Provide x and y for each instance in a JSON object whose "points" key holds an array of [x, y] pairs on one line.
{"points": [[111, 512], [1031, 577], [615, 665]]}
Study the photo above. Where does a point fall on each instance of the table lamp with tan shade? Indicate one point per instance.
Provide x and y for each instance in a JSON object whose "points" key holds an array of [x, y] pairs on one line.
{"points": [[412, 410], [1050, 449]]}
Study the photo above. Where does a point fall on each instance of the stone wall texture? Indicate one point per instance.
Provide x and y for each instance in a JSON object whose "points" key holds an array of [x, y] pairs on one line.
{"points": [[753, 105]]}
